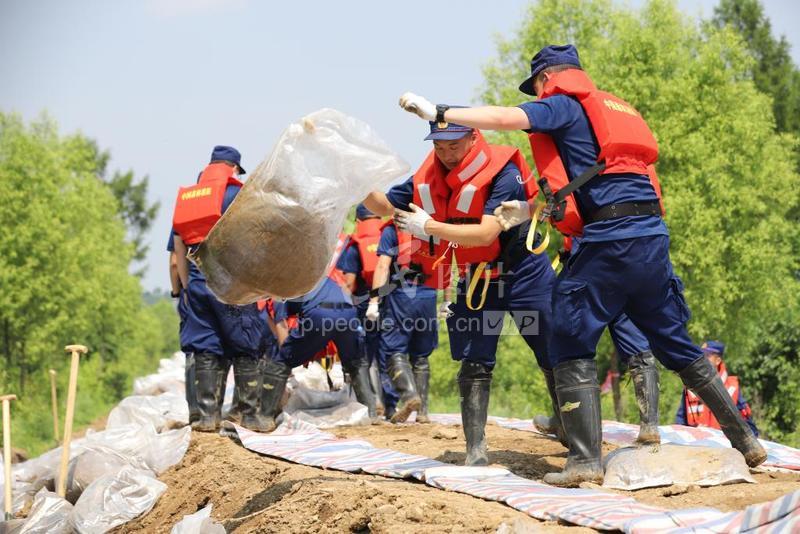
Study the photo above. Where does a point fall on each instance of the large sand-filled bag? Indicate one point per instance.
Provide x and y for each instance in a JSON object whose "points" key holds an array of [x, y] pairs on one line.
{"points": [[280, 232]]}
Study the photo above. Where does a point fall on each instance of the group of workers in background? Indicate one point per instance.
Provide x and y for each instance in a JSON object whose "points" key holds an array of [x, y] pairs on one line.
{"points": [[470, 208]]}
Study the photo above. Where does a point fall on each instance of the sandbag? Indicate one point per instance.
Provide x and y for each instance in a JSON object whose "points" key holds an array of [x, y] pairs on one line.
{"points": [[94, 463], [633, 468], [50, 514], [199, 522], [112, 500], [279, 234]]}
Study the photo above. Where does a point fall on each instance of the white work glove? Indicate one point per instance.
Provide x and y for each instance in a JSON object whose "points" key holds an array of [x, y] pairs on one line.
{"points": [[444, 310], [373, 313], [512, 213], [418, 105], [412, 221]]}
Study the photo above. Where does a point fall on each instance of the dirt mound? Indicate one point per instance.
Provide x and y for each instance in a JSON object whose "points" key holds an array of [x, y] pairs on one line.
{"points": [[252, 493]]}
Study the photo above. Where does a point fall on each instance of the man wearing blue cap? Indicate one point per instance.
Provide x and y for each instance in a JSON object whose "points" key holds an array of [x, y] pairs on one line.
{"points": [[447, 207], [693, 412], [599, 151], [358, 262], [217, 334]]}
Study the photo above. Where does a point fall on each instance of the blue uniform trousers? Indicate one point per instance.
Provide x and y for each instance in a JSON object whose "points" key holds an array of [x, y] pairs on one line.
{"points": [[318, 326], [634, 276], [628, 340], [525, 294], [221, 329], [408, 326]]}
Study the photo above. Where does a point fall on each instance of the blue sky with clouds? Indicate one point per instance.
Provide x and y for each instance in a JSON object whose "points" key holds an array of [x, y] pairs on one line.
{"points": [[159, 82]]}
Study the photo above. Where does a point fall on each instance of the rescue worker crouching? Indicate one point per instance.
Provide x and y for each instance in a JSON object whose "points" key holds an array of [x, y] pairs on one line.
{"points": [[447, 207], [216, 334], [597, 150], [325, 314]]}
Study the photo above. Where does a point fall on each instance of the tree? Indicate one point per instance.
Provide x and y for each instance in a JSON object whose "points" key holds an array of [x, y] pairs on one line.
{"points": [[729, 179], [64, 275], [774, 72]]}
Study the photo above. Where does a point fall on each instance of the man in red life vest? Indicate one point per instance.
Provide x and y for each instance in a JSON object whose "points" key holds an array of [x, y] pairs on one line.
{"points": [[447, 207], [216, 333], [595, 153], [692, 411]]}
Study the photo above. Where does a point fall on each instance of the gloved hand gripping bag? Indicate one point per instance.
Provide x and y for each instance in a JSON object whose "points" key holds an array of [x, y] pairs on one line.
{"points": [[279, 234]]}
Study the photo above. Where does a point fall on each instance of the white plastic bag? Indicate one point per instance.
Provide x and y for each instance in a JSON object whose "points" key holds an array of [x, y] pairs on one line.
{"points": [[159, 451], [50, 514], [164, 411], [199, 522], [326, 409], [112, 500], [292, 208], [93, 463], [170, 378]]}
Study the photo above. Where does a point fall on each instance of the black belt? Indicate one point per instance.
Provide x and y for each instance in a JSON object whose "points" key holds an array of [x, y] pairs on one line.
{"points": [[335, 305], [624, 209]]}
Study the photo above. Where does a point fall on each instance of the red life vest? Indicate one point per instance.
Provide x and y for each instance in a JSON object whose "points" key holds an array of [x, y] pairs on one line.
{"points": [[458, 196], [626, 143], [366, 238], [199, 207], [698, 414], [333, 273]]}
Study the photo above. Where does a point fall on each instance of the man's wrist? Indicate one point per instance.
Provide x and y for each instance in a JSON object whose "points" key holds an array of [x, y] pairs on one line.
{"points": [[175, 294], [441, 109]]}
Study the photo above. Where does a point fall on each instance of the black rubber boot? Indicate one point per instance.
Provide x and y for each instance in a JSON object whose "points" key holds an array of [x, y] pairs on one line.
{"points": [[644, 374], [579, 407], [207, 370], [272, 387], [422, 378], [360, 380], [551, 424], [375, 385], [233, 413], [701, 377], [246, 373], [474, 384], [191, 390], [403, 381]]}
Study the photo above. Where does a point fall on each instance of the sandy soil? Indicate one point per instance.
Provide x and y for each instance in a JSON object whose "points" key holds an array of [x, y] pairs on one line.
{"points": [[251, 493]]}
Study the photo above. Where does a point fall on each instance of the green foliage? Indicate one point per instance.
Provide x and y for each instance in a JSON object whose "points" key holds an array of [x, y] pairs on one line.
{"points": [[729, 181], [64, 278]]}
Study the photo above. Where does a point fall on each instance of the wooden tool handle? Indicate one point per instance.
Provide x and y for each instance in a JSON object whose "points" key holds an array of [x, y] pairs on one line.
{"points": [[6, 401], [76, 348], [73, 384]]}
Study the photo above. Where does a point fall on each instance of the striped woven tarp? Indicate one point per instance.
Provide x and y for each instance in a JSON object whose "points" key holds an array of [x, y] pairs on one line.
{"points": [[300, 442], [778, 456]]}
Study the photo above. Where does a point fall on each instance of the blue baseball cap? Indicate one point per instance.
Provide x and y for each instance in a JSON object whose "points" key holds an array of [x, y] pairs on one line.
{"points": [[713, 347], [227, 153], [450, 132], [549, 56], [363, 213]]}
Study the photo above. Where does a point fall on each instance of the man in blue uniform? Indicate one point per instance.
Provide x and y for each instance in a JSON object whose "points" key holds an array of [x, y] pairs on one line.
{"points": [[219, 334], [523, 288], [358, 273], [409, 327], [634, 353], [325, 314], [623, 264]]}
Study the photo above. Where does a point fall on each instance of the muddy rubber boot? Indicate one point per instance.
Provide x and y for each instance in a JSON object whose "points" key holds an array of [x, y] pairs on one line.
{"points": [[579, 407], [207, 368], [644, 374], [422, 378], [375, 384], [360, 380], [551, 424], [701, 377], [403, 382], [474, 384], [273, 384], [246, 373], [191, 390]]}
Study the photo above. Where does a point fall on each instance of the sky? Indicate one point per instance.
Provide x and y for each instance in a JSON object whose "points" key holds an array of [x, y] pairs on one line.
{"points": [[159, 82]]}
